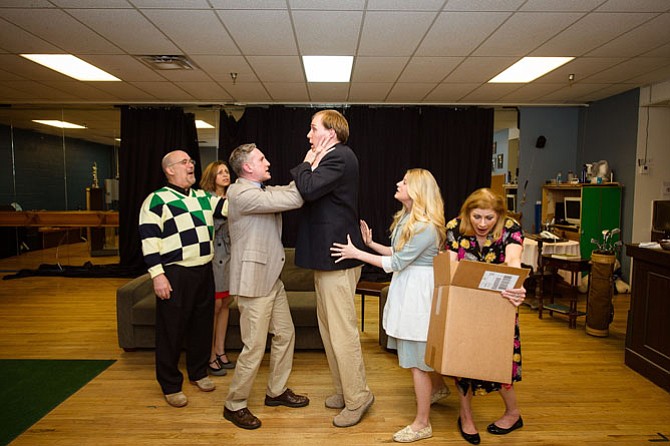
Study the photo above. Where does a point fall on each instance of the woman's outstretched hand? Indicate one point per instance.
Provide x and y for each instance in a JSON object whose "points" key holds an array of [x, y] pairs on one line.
{"points": [[343, 252], [366, 233]]}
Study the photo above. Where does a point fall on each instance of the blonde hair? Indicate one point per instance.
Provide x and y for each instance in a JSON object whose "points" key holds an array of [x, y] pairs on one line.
{"points": [[483, 198], [427, 207], [332, 119], [208, 180]]}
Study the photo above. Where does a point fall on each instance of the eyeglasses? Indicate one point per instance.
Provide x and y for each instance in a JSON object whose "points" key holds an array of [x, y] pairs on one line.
{"points": [[183, 162]]}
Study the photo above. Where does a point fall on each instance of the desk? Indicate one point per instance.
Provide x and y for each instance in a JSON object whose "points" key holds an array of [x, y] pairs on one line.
{"points": [[371, 289], [575, 268], [531, 253]]}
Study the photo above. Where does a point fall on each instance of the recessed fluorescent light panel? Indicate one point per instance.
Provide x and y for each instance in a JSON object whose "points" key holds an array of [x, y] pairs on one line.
{"points": [[530, 68], [59, 124], [72, 66], [328, 68], [200, 124]]}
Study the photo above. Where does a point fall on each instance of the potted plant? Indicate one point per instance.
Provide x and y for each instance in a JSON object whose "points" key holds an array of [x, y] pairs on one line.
{"points": [[600, 311]]}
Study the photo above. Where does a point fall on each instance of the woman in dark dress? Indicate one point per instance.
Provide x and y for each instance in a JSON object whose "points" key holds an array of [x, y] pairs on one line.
{"points": [[483, 232]]}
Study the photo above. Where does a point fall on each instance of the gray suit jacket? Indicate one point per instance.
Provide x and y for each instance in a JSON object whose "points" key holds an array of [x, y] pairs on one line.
{"points": [[255, 224]]}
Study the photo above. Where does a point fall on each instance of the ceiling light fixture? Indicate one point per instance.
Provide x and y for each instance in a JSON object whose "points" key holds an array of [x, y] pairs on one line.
{"points": [[328, 68], [530, 68], [59, 124], [72, 66], [200, 124]]}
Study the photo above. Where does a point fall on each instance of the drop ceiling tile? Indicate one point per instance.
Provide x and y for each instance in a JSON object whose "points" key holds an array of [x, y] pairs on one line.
{"points": [[246, 92], [629, 69], [582, 68], [144, 40], [39, 91], [637, 41], [450, 92], [171, 4], [459, 33], [429, 69], [205, 91], [48, 24], [372, 92], [127, 68], [249, 4], [530, 93], [562, 5], [166, 91], [128, 92], [321, 5], [220, 67], [15, 40], [636, 6], [377, 69], [193, 31], [261, 33], [106, 4], [405, 5], [287, 92], [489, 93], [589, 33], [333, 92], [327, 33], [380, 36], [651, 77], [27, 69], [83, 90], [483, 5], [409, 92], [479, 69], [277, 68], [512, 38]]}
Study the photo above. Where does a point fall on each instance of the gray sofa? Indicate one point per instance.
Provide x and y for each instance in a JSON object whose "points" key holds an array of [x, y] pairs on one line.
{"points": [[136, 311]]}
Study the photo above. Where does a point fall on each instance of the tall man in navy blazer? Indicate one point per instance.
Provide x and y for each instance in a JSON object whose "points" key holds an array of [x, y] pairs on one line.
{"points": [[328, 182]]}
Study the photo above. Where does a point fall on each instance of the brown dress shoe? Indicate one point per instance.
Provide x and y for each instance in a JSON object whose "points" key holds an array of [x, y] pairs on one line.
{"points": [[242, 418], [288, 399]]}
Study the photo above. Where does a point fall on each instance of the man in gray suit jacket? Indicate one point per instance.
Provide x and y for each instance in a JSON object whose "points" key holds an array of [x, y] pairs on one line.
{"points": [[257, 258]]}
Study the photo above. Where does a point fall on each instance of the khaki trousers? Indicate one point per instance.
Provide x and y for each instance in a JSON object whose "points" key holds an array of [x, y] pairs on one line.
{"points": [[258, 317], [338, 325]]}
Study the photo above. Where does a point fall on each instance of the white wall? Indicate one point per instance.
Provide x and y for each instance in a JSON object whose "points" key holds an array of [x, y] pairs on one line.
{"points": [[653, 142]]}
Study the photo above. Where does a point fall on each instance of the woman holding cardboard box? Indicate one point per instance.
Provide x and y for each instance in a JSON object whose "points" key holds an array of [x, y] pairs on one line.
{"points": [[417, 232], [483, 232]]}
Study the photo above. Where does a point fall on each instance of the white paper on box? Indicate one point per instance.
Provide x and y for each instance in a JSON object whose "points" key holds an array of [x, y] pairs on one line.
{"points": [[497, 281]]}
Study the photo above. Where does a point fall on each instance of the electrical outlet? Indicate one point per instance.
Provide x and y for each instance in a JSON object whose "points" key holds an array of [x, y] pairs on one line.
{"points": [[643, 169]]}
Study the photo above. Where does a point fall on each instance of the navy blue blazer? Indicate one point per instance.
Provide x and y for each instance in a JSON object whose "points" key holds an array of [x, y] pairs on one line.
{"points": [[330, 211]]}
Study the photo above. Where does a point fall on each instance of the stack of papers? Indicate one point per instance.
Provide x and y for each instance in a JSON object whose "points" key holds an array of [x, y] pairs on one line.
{"points": [[652, 245], [566, 256]]}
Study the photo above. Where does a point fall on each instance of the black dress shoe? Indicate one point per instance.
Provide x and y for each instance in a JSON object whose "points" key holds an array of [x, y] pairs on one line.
{"points": [[242, 418], [470, 438], [495, 430], [288, 399]]}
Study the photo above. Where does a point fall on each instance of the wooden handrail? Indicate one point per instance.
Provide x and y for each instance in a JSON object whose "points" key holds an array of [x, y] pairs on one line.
{"points": [[71, 219]]}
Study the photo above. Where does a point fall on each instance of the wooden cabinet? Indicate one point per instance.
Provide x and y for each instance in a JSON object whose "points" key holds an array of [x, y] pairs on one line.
{"points": [[600, 209], [647, 334]]}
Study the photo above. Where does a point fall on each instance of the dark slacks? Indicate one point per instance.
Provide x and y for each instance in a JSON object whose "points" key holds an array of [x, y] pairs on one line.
{"points": [[188, 315]]}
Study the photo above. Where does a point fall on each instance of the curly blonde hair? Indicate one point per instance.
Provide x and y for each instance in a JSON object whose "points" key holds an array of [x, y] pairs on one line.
{"points": [[427, 207]]}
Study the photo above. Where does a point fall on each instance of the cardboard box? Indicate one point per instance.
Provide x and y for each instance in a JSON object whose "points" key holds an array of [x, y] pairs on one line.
{"points": [[471, 331]]}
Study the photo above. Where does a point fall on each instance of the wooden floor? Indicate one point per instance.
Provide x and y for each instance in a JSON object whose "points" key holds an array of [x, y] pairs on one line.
{"points": [[576, 388]]}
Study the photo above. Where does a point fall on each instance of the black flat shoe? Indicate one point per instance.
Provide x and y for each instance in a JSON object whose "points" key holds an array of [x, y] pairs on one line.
{"points": [[470, 438], [225, 364], [495, 430]]}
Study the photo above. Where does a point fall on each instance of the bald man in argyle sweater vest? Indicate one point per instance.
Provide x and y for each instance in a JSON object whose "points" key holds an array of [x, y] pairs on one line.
{"points": [[176, 229]]}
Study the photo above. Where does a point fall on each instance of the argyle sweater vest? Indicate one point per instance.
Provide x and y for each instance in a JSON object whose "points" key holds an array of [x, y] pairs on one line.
{"points": [[178, 229]]}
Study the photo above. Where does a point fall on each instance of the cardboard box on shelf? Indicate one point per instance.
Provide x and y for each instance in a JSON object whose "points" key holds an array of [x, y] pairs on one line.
{"points": [[471, 331]]}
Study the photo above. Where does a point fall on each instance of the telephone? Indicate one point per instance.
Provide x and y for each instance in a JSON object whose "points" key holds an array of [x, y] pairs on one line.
{"points": [[549, 235]]}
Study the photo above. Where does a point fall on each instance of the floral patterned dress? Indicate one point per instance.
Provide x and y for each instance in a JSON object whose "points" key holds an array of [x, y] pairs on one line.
{"points": [[493, 251]]}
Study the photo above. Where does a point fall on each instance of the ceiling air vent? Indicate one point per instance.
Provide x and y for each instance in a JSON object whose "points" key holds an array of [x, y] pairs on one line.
{"points": [[168, 62]]}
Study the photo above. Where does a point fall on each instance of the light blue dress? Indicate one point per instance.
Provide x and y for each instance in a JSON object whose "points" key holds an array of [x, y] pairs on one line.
{"points": [[407, 310]]}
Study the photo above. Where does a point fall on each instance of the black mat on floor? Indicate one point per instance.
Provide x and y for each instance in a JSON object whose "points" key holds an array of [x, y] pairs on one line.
{"points": [[86, 270]]}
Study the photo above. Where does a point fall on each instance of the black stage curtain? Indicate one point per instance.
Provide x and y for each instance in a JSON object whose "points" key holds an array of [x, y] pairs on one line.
{"points": [[453, 143], [147, 134]]}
